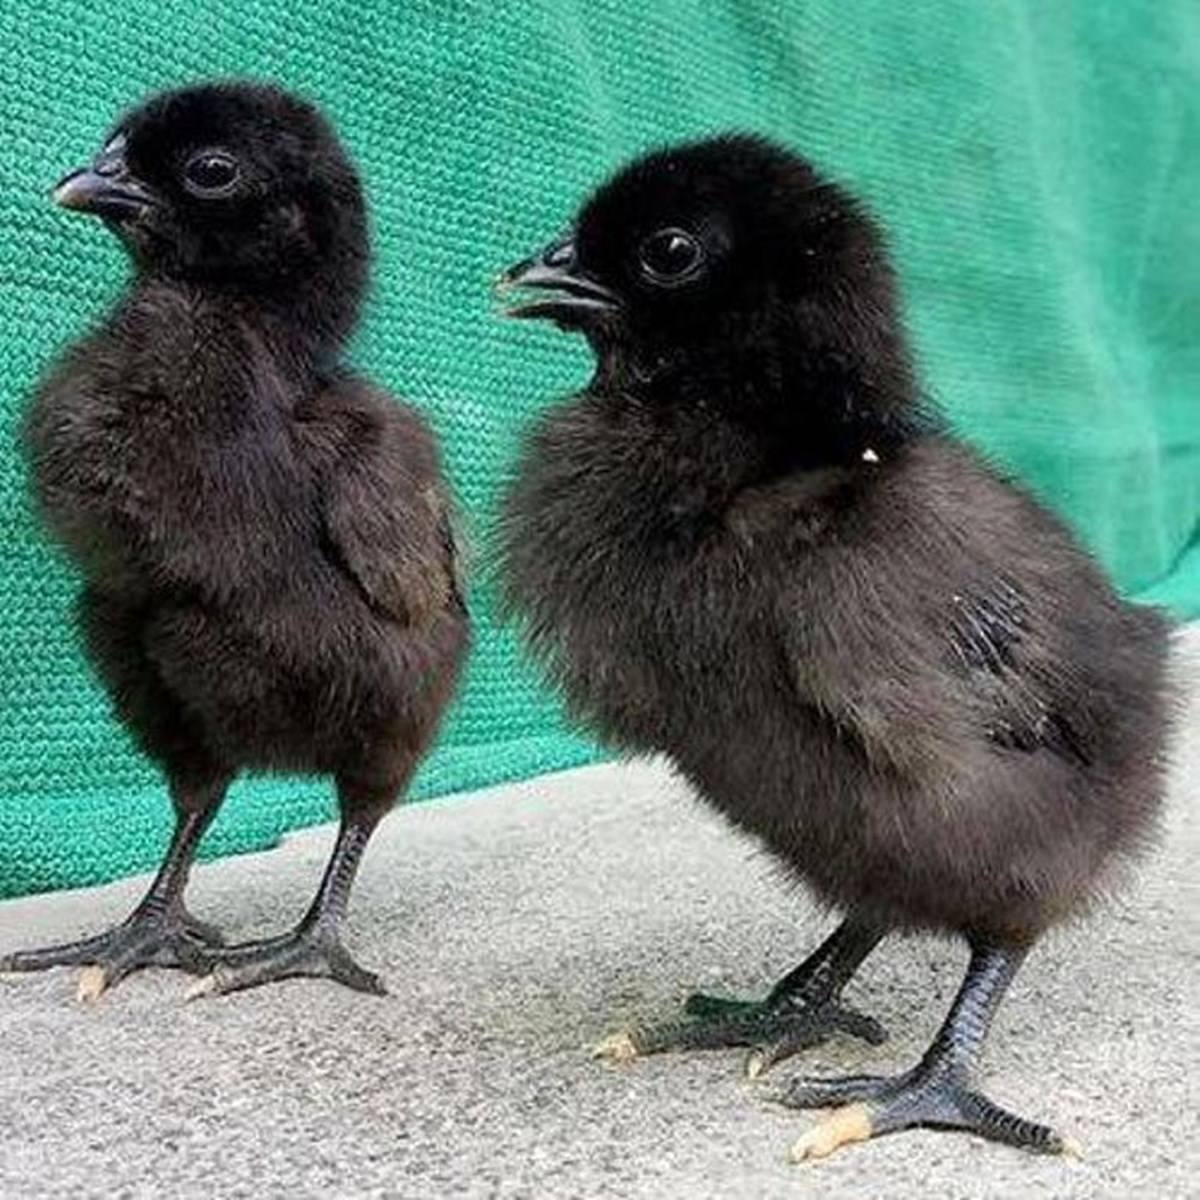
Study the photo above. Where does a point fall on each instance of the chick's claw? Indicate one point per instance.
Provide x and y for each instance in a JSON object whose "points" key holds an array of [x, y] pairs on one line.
{"points": [[847, 1125], [617, 1047]]}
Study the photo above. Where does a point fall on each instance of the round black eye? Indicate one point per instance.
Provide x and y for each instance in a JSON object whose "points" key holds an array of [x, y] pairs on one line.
{"points": [[670, 256], [210, 173]]}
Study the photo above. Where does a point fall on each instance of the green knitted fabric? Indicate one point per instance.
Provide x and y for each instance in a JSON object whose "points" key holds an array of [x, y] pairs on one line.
{"points": [[1035, 162]]}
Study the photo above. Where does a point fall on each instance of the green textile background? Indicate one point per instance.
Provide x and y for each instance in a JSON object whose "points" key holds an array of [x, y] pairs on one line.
{"points": [[1037, 165]]}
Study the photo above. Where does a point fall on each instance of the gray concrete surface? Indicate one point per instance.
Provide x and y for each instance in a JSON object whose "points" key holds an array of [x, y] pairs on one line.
{"points": [[518, 926]]}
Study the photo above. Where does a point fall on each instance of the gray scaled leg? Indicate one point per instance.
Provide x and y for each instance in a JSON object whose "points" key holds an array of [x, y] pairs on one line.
{"points": [[314, 947]]}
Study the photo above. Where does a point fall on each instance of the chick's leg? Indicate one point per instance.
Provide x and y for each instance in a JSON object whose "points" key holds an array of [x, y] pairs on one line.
{"points": [[938, 1091], [314, 948], [160, 932], [802, 1010]]}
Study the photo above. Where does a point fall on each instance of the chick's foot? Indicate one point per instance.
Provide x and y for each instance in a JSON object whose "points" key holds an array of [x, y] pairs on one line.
{"points": [[150, 937], [802, 1010], [922, 1097], [774, 1028], [305, 952]]}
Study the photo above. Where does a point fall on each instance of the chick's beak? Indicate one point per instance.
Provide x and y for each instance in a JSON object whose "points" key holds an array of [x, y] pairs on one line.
{"points": [[575, 296], [107, 187]]}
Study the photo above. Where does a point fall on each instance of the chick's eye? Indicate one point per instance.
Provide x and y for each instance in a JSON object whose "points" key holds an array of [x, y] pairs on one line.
{"points": [[670, 256], [210, 173]]}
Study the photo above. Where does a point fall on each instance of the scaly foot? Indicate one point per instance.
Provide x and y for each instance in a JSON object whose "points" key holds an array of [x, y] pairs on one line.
{"points": [[776, 1028], [933, 1096], [303, 952], [149, 937]]}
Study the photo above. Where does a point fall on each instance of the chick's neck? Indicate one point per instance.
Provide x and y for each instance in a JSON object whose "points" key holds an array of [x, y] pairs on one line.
{"points": [[783, 406], [301, 321]]}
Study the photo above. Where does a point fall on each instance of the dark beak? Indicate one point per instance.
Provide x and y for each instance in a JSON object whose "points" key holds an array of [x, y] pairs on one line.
{"points": [[106, 188], [575, 297]]}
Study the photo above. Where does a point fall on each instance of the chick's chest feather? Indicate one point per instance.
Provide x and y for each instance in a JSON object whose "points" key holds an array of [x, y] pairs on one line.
{"points": [[631, 531], [617, 557], [181, 426], [163, 428]]}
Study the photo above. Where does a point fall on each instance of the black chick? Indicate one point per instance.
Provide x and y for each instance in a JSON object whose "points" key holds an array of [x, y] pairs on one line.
{"points": [[264, 536], [747, 545]]}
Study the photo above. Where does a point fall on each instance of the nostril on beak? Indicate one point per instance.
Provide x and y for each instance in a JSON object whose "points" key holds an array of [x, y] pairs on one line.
{"points": [[561, 255], [111, 160]]}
